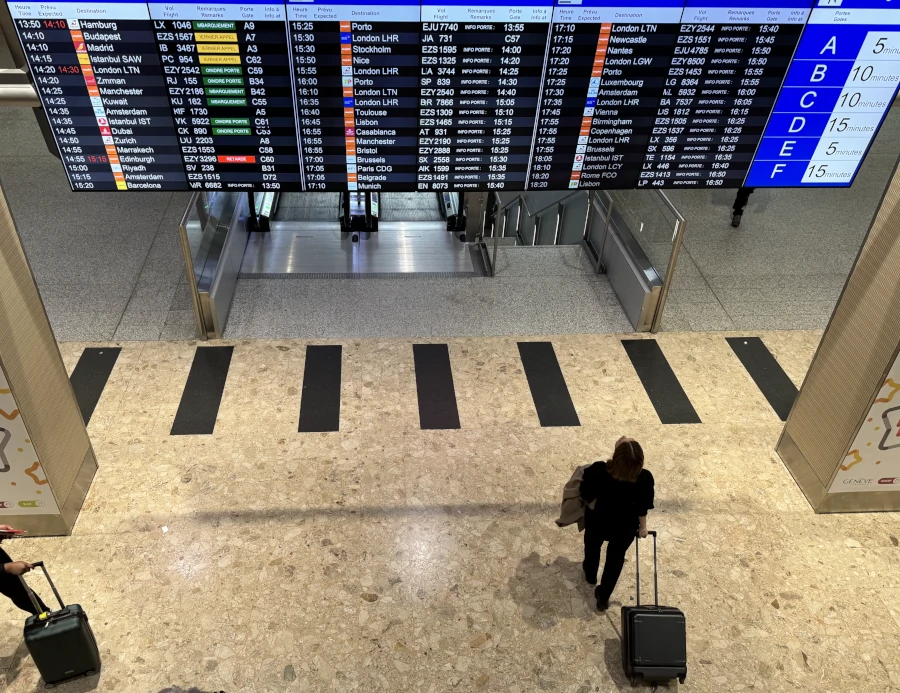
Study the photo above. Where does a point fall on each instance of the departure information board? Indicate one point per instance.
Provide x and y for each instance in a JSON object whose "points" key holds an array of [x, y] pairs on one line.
{"points": [[420, 95]]}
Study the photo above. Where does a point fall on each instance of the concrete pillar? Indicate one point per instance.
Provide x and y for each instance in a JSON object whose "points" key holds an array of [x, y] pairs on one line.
{"points": [[842, 438], [46, 459]]}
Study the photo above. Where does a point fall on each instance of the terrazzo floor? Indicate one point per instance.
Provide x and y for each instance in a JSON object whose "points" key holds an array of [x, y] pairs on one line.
{"points": [[387, 558]]}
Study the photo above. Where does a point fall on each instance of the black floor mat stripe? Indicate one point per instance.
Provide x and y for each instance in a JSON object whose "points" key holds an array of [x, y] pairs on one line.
{"points": [[766, 372], [548, 385], [90, 377], [320, 402], [660, 382], [202, 394], [434, 385]]}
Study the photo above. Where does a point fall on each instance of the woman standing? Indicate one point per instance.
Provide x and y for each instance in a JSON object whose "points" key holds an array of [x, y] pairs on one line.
{"points": [[623, 491]]}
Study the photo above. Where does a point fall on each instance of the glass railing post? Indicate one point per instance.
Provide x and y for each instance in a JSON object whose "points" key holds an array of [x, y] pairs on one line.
{"points": [[588, 216], [519, 220], [496, 243], [189, 272], [560, 215], [609, 211], [677, 239]]}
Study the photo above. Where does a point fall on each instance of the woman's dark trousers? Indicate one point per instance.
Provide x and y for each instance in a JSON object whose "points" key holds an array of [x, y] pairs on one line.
{"points": [[616, 546]]}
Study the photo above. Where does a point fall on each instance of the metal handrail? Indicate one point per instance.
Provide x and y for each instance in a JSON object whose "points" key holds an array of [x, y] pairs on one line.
{"points": [[521, 201], [677, 240], [17, 95], [503, 214], [669, 204], [609, 210], [521, 198]]}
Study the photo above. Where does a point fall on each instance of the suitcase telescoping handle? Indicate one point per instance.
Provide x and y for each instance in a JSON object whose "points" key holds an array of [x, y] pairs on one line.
{"points": [[34, 602], [637, 562]]}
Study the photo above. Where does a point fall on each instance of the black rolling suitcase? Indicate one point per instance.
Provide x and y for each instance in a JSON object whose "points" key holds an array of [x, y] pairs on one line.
{"points": [[61, 643], [654, 638]]}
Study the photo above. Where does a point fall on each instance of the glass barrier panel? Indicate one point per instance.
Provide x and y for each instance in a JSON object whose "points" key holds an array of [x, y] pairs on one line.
{"points": [[597, 231], [646, 216], [205, 226], [571, 228], [527, 228]]}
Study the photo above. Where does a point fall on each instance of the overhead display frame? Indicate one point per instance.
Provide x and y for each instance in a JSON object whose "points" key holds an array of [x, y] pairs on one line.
{"points": [[419, 95]]}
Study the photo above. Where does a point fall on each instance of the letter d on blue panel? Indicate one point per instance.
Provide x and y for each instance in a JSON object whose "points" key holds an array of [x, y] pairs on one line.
{"points": [[798, 124]]}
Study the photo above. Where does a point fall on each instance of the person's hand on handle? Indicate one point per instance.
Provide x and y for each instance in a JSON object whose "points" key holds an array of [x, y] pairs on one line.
{"points": [[642, 529], [17, 567]]}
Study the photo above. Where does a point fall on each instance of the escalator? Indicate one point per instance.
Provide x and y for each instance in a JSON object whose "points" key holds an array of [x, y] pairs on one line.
{"points": [[310, 206], [323, 206], [411, 207], [355, 233], [233, 237]]}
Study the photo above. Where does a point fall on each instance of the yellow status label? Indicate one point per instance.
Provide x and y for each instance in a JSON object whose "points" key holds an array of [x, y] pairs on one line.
{"points": [[220, 60], [218, 48], [84, 59], [121, 185], [211, 36]]}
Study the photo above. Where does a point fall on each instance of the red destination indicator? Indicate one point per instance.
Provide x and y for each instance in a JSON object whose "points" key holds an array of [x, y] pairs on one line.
{"points": [[236, 159]]}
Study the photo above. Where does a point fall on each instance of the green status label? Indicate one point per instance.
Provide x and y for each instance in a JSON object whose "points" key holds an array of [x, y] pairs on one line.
{"points": [[232, 131], [224, 91], [231, 122], [223, 81], [226, 102], [221, 70], [213, 26]]}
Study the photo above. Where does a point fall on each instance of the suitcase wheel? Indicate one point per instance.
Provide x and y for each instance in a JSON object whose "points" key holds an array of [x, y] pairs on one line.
{"points": [[91, 672], [633, 681], [48, 685], [681, 679]]}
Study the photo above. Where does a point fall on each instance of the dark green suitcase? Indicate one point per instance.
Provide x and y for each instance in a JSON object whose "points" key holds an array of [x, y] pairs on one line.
{"points": [[61, 643]]}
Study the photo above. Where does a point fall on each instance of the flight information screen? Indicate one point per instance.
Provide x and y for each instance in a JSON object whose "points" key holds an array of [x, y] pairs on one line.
{"points": [[419, 95]]}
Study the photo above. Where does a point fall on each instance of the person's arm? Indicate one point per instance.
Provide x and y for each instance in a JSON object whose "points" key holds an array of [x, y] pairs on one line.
{"points": [[588, 488], [642, 529]]}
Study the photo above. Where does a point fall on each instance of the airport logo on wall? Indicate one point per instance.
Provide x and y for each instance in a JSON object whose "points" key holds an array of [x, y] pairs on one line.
{"points": [[890, 427], [24, 488], [4, 441], [873, 461]]}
